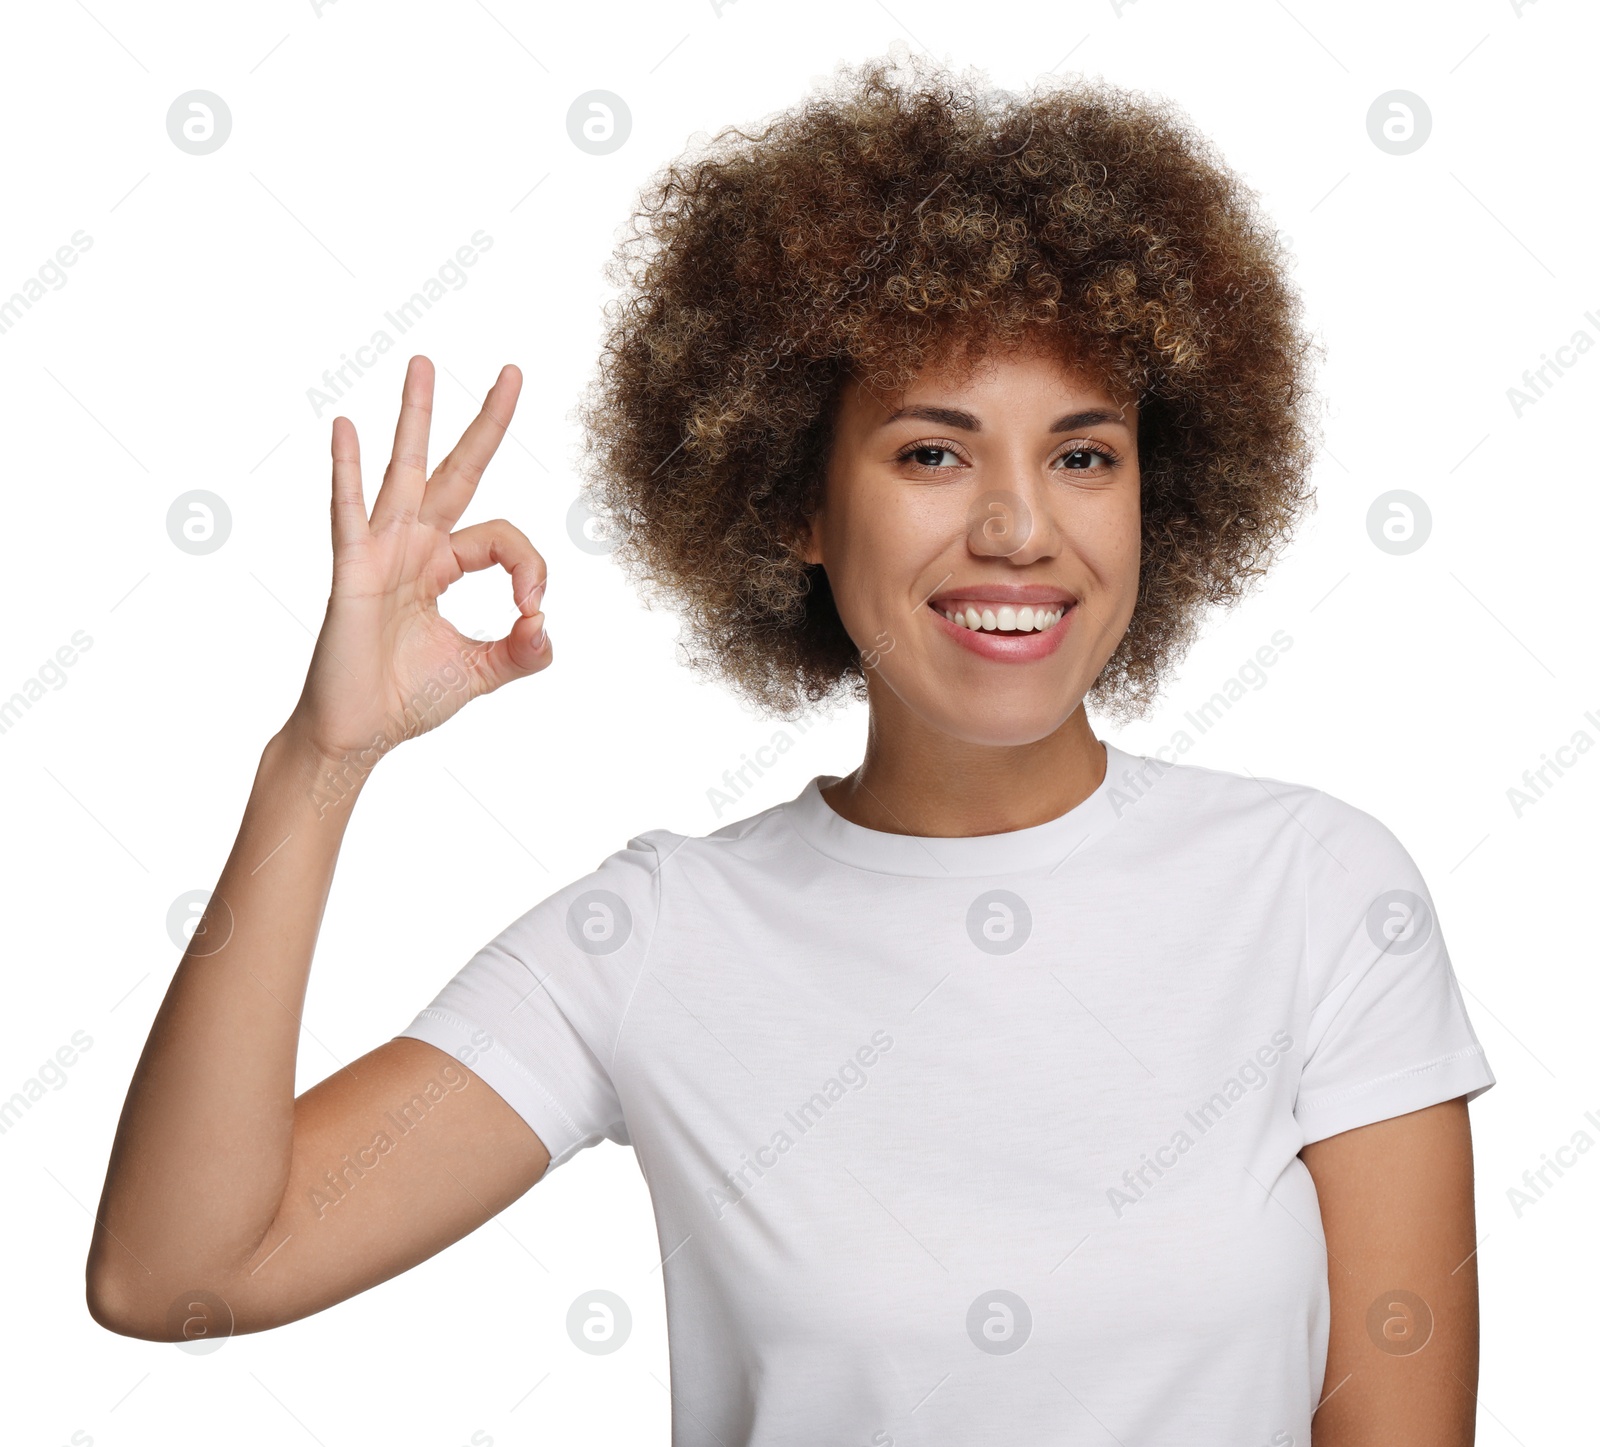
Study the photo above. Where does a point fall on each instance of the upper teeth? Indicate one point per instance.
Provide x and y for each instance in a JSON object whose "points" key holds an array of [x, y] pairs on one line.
{"points": [[1004, 620]]}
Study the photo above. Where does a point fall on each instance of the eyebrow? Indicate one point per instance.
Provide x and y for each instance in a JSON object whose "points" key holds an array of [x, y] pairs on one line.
{"points": [[956, 417]]}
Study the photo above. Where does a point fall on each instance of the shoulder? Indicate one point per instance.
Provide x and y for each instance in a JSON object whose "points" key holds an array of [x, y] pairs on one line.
{"points": [[1243, 808], [1356, 887], [658, 860], [1357, 881]]}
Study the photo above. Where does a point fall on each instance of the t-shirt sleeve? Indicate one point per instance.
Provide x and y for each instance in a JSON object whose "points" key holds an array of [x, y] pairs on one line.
{"points": [[1388, 1030], [537, 1012]]}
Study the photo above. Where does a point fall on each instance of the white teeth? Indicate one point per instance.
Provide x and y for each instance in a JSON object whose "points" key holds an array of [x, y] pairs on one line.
{"points": [[1006, 619]]}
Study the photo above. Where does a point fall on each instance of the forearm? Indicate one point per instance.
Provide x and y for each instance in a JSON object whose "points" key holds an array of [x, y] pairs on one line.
{"points": [[203, 1147]]}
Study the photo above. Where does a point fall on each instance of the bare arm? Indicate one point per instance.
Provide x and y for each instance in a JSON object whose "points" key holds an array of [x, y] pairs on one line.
{"points": [[213, 1179], [1397, 1212]]}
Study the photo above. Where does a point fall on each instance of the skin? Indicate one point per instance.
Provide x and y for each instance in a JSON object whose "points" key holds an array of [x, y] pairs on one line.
{"points": [[193, 1202], [958, 744], [1397, 1211]]}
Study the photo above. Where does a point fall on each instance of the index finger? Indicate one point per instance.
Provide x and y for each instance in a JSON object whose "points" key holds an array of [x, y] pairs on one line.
{"points": [[500, 541], [455, 479]]}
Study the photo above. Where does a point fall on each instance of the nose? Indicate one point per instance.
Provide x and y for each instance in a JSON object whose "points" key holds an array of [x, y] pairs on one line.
{"points": [[1012, 522]]}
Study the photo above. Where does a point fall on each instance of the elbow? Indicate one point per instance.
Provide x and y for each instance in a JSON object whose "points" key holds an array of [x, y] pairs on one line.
{"points": [[113, 1306], [148, 1311], [182, 1299], [143, 1312], [110, 1293]]}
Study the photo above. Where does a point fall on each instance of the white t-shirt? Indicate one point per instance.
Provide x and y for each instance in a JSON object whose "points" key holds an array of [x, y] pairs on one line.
{"points": [[989, 1139]]}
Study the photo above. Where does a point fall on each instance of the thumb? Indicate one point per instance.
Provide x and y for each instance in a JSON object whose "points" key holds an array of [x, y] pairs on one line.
{"points": [[524, 650]]}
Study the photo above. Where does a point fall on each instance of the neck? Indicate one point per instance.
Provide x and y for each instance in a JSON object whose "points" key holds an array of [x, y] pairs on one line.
{"points": [[914, 779]]}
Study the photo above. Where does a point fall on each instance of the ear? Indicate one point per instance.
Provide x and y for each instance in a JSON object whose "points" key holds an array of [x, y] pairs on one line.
{"points": [[808, 547]]}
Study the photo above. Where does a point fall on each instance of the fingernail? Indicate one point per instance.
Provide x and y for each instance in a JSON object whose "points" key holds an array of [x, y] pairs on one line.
{"points": [[536, 595], [538, 637]]}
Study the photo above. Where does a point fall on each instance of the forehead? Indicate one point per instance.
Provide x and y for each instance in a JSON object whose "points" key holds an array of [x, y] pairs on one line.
{"points": [[1041, 368]]}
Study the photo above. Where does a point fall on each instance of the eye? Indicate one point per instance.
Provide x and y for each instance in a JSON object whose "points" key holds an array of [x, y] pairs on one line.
{"points": [[919, 450], [1079, 456]]}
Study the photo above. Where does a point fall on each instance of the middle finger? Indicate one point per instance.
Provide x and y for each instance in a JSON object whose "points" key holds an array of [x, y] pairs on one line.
{"points": [[404, 478]]}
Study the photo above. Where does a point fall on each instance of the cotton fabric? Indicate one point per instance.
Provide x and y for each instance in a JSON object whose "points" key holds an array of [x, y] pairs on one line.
{"points": [[988, 1139]]}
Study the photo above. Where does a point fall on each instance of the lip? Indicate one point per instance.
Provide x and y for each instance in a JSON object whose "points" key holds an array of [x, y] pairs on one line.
{"points": [[1016, 594], [1005, 647]]}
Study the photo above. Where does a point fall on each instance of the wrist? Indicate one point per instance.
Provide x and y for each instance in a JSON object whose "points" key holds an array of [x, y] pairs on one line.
{"points": [[329, 783]]}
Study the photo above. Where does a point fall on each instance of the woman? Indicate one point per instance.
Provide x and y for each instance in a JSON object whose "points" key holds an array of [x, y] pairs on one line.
{"points": [[1013, 1084]]}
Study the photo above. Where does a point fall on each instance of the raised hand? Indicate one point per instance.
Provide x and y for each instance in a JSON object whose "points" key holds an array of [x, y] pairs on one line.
{"points": [[386, 666]]}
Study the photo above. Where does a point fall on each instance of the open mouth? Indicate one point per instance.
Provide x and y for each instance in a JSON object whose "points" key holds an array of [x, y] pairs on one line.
{"points": [[1009, 632], [988, 618]]}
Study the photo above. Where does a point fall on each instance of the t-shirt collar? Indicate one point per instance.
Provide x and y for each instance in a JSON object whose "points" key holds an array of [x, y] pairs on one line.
{"points": [[1049, 847]]}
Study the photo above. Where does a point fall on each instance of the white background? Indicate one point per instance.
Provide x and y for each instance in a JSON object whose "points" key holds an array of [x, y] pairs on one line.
{"points": [[368, 143]]}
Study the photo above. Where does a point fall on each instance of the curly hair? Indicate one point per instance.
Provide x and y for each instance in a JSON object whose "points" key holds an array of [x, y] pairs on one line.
{"points": [[897, 220]]}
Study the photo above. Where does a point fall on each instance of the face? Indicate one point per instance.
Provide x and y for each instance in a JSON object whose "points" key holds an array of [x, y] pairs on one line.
{"points": [[1008, 499]]}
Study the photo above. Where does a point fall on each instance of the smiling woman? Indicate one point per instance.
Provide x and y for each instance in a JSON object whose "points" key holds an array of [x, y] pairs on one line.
{"points": [[899, 232], [1036, 508], [966, 406]]}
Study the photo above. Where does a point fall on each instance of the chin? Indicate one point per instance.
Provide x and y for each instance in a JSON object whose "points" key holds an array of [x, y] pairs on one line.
{"points": [[995, 723], [1003, 734]]}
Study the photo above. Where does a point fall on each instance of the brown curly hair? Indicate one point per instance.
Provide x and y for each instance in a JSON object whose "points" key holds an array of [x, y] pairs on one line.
{"points": [[897, 220]]}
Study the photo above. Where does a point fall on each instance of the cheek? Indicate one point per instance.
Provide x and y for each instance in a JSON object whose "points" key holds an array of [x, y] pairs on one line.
{"points": [[849, 566], [884, 545], [1125, 543], [1112, 547], [1127, 558]]}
